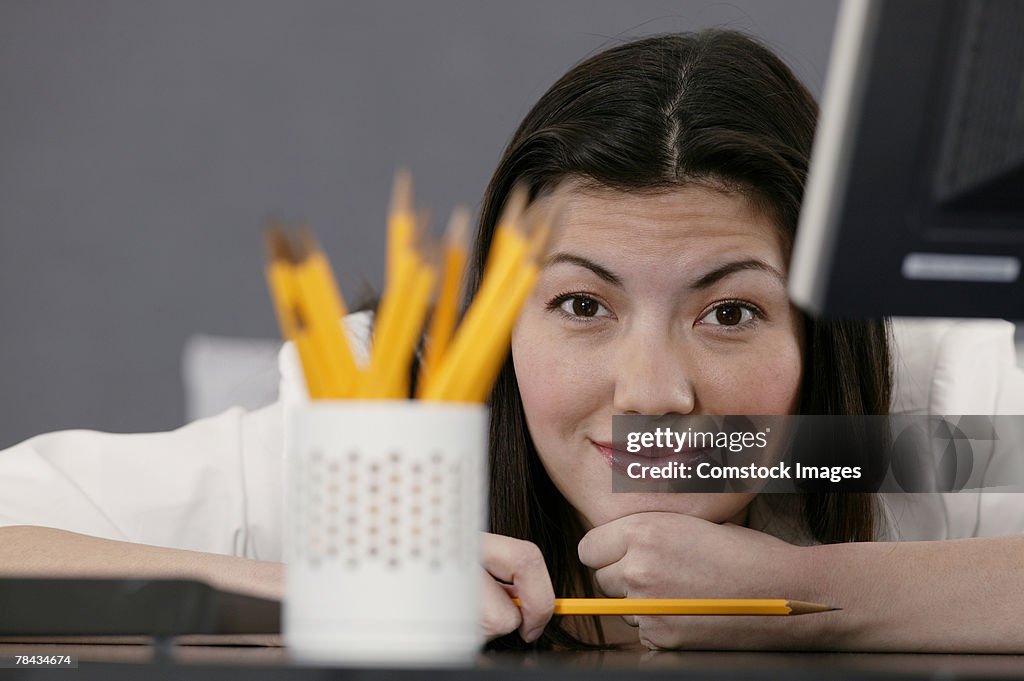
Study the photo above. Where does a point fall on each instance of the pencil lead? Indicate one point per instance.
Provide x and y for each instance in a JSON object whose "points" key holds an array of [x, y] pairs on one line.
{"points": [[401, 193], [515, 206], [421, 228], [457, 233], [803, 608], [543, 220], [308, 243], [431, 255]]}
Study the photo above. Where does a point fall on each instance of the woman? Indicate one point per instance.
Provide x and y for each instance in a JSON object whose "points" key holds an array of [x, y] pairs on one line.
{"points": [[681, 161], [684, 158]]}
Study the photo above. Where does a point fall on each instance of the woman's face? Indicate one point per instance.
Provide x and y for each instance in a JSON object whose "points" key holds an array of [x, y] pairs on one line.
{"points": [[671, 303]]}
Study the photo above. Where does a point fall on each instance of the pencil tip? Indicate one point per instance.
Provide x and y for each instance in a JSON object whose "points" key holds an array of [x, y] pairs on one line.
{"points": [[421, 226], [803, 608], [401, 193], [515, 206], [276, 242], [308, 243], [457, 233]]}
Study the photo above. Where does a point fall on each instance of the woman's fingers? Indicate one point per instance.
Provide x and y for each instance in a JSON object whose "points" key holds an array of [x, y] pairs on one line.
{"points": [[609, 581], [610, 584], [520, 565], [498, 614], [606, 544]]}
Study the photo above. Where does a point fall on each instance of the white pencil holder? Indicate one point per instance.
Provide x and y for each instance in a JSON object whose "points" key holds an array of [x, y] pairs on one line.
{"points": [[385, 504]]}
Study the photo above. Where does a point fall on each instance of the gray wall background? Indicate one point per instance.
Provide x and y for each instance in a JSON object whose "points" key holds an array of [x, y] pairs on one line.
{"points": [[144, 144]]}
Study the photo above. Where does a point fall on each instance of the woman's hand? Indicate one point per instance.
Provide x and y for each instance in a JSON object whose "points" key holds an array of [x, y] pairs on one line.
{"points": [[668, 555], [514, 568]]}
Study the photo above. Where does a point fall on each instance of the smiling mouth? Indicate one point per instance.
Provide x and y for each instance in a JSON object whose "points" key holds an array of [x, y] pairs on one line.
{"points": [[616, 456]]}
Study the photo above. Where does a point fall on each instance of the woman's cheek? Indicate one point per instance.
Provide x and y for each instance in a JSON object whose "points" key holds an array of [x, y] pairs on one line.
{"points": [[781, 378], [558, 382], [545, 383], [767, 382]]}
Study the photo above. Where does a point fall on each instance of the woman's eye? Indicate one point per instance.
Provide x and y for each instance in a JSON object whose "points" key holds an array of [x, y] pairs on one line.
{"points": [[581, 307], [729, 314]]}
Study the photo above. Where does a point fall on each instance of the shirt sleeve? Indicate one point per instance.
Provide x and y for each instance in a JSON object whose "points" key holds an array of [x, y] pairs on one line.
{"points": [[972, 370], [213, 485]]}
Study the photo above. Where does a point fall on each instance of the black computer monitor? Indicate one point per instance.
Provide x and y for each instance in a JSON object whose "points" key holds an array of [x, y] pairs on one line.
{"points": [[915, 200]]}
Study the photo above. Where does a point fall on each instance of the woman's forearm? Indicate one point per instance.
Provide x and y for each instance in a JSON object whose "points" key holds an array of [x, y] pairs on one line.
{"points": [[964, 595], [43, 551]]}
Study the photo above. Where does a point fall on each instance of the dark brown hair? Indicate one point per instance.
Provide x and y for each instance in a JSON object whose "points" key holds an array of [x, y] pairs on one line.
{"points": [[714, 108]]}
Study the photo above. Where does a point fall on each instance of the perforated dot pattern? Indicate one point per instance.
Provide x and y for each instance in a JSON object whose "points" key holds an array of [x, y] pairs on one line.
{"points": [[391, 510]]}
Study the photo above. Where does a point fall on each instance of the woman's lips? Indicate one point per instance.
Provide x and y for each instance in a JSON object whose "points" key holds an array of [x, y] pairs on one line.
{"points": [[616, 456]]}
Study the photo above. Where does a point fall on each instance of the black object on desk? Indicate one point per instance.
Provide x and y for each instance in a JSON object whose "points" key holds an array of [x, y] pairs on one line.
{"points": [[129, 607]]}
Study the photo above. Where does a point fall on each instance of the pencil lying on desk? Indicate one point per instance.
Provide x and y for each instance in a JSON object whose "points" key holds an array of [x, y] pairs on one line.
{"points": [[684, 606]]}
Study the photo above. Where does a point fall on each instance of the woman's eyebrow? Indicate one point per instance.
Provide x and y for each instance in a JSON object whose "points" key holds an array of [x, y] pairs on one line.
{"points": [[723, 271], [707, 279], [601, 272]]}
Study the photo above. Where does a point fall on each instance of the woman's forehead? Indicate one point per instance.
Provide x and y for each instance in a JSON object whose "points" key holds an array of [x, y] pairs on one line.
{"points": [[691, 219]]}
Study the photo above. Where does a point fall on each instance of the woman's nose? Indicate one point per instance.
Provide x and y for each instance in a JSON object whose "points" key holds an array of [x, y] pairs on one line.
{"points": [[653, 377]]}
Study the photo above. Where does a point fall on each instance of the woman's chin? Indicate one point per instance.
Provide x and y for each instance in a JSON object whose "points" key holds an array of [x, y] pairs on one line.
{"points": [[716, 508]]}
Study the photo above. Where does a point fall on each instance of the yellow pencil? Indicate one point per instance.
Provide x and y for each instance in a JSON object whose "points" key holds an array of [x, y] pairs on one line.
{"points": [[401, 224], [449, 381], [279, 281], [462, 358], [685, 606], [322, 305], [442, 321], [482, 367], [387, 321], [513, 210], [285, 296], [396, 377]]}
